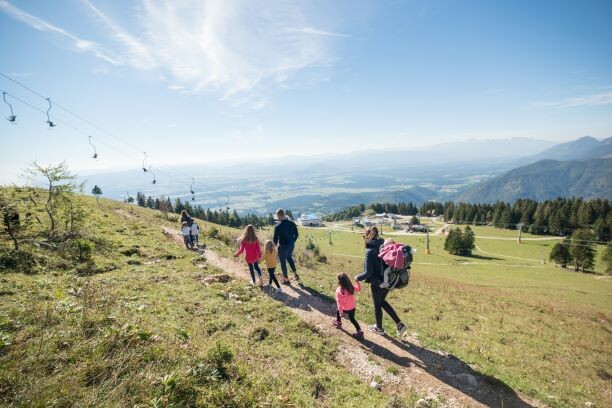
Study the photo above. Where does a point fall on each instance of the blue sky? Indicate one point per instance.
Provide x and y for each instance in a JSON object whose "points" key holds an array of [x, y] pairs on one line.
{"points": [[205, 81]]}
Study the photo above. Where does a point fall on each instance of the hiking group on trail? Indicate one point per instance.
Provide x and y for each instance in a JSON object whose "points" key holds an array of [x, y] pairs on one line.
{"points": [[382, 259], [190, 230]]}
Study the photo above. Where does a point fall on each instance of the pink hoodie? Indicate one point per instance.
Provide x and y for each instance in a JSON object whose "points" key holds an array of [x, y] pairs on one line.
{"points": [[393, 255], [345, 300], [252, 251]]}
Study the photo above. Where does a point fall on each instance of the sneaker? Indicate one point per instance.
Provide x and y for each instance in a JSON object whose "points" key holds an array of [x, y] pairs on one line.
{"points": [[384, 285], [337, 324], [375, 329], [358, 335], [280, 289], [286, 282], [260, 282], [297, 278], [401, 328]]}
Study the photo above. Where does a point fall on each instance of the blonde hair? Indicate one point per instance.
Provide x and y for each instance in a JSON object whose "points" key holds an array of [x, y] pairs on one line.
{"points": [[389, 241], [249, 234], [269, 246]]}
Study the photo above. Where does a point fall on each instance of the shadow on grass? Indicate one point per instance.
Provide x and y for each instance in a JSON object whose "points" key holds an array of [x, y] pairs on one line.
{"points": [[483, 388], [485, 258]]}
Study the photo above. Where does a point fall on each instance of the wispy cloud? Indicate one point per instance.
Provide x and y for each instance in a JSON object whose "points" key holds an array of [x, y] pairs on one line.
{"points": [[78, 44], [603, 97], [315, 31], [238, 51]]}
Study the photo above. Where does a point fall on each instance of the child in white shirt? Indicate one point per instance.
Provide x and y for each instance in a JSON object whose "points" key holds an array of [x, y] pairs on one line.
{"points": [[187, 236], [195, 230]]}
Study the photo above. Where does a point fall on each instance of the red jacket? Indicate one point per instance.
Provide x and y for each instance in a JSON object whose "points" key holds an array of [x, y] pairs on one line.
{"points": [[252, 251]]}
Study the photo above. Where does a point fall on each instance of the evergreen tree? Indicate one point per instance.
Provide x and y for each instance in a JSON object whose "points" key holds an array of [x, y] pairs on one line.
{"points": [[141, 200], [467, 241], [452, 243], [560, 254], [607, 258], [582, 249], [97, 191]]}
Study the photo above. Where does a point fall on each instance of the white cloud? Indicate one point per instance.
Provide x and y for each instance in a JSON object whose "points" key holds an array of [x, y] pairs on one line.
{"points": [[315, 31], [237, 52], [79, 44], [593, 99]]}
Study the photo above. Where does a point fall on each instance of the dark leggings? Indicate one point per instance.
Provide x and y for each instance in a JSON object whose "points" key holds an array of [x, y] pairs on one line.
{"points": [[378, 297], [351, 315], [272, 277], [255, 266]]}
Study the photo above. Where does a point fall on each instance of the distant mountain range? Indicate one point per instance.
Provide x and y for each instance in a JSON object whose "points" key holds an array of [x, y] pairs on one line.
{"points": [[586, 147], [473, 170], [581, 168]]}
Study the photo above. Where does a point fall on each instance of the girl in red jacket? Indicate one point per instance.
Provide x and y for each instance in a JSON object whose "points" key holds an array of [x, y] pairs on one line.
{"points": [[249, 244]]}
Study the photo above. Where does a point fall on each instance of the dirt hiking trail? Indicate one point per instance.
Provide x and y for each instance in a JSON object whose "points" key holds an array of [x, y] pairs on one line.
{"points": [[443, 379]]}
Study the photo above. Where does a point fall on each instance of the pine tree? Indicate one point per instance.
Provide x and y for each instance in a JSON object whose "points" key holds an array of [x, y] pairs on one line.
{"points": [[467, 241], [560, 254], [607, 258], [97, 191], [141, 200], [452, 244], [582, 249]]}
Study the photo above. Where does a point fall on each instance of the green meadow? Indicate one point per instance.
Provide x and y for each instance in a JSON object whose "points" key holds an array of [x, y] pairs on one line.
{"points": [[138, 326]]}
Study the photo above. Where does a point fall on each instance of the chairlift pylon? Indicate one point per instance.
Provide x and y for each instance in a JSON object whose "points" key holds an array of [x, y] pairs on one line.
{"points": [[49, 122], [11, 118]]}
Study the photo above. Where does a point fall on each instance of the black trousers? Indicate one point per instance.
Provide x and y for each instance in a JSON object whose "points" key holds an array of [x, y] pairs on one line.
{"points": [[351, 315], [272, 277], [378, 297], [254, 266]]}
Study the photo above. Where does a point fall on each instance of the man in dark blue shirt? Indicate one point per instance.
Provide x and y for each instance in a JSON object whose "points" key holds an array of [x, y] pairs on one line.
{"points": [[285, 235]]}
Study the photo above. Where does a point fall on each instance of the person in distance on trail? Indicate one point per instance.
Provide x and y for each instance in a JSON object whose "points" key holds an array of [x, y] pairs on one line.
{"points": [[195, 230], [345, 300], [372, 274], [186, 230], [185, 217], [249, 244], [285, 235]]}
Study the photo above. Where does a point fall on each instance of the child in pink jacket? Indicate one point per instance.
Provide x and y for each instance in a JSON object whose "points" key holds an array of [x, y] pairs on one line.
{"points": [[345, 299], [249, 244]]}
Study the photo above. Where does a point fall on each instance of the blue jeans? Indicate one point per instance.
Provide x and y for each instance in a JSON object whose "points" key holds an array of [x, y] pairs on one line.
{"points": [[285, 254]]}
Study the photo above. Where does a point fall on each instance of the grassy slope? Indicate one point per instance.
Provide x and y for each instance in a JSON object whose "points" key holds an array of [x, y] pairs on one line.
{"points": [[112, 339], [543, 330]]}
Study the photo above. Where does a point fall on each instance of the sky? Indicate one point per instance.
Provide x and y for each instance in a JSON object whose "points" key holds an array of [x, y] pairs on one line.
{"points": [[227, 81]]}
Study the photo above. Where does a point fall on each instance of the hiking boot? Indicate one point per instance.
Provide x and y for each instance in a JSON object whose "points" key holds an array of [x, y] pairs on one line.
{"points": [[401, 328], [337, 324], [358, 335], [375, 329]]}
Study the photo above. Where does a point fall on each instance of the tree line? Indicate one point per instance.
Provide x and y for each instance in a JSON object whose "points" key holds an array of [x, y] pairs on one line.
{"points": [[560, 216], [222, 216]]}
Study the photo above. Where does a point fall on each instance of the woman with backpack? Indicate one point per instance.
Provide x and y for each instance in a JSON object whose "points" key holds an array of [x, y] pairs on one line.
{"points": [[372, 274]]}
